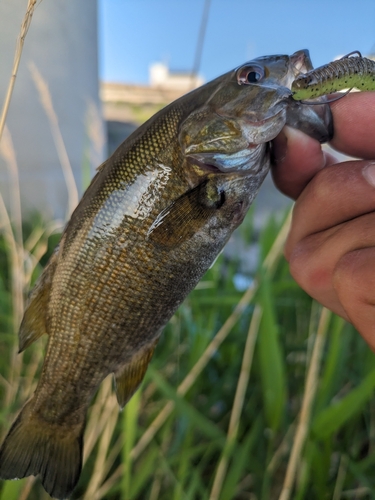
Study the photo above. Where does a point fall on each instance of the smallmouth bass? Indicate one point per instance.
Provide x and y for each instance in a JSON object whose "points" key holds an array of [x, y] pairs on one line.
{"points": [[151, 223]]}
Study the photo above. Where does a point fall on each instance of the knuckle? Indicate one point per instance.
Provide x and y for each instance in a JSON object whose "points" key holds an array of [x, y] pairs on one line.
{"points": [[322, 184], [354, 274], [307, 269], [327, 186]]}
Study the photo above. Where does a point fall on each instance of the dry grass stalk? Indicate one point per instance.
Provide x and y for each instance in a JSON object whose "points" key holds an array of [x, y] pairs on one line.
{"points": [[276, 251], [29, 483], [269, 264], [103, 448], [8, 153], [15, 253], [307, 403], [239, 398], [14, 236], [29, 381], [17, 57], [281, 451], [46, 100], [340, 480], [361, 492], [156, 486], [36, 248], [115, 451], [22, 263], [95, 133], [101, 409]]}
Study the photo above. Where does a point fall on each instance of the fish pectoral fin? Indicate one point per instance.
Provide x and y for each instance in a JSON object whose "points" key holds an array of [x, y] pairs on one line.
{"points": [[185, 216], [34, 321], [129, 377]]}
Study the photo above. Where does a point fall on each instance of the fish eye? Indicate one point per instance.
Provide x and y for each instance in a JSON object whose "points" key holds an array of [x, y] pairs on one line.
{"points": [[250, 74]]}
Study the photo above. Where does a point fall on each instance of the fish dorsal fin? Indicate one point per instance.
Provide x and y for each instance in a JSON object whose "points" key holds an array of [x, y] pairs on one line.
{"points": [[129, 377], [101, 166], [185, 216], [34, 322]]}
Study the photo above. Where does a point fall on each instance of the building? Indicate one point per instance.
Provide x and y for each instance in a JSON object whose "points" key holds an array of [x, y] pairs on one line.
{"points": [[58, 74], [126, 106]]}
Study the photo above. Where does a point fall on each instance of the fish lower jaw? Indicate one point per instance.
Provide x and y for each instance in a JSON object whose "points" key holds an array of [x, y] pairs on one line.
{"points": [[203, 166]]}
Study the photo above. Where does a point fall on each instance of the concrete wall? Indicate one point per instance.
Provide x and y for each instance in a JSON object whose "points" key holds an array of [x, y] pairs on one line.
{"points": [[62, 43]]}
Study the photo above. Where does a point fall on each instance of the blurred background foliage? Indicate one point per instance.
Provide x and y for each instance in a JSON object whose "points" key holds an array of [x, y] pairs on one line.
{"points": [[219, 413]]}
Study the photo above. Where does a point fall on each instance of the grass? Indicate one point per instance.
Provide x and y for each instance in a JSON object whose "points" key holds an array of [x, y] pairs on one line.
{"points": [[31, 4], [258, 394]]}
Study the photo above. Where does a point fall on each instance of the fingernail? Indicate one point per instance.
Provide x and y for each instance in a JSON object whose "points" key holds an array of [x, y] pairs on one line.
{"points": [[279, 148], [369, 173]]}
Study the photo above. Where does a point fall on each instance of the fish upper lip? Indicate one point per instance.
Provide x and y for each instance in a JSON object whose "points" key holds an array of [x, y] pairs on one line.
{"points": [[259, 123]]}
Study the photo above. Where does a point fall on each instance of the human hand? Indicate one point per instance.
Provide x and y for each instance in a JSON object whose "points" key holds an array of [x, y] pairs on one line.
{"points": [[331, 245]]}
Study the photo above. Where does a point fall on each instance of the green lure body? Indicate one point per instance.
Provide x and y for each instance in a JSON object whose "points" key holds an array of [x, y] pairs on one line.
{"points": [[345, 73]]}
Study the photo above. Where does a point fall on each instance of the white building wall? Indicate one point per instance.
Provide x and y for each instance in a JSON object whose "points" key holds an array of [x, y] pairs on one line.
{"points": [[62, 43], [161, 77]]}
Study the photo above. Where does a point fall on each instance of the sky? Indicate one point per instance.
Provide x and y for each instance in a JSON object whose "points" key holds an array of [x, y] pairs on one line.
{"points": [[135, 33]]}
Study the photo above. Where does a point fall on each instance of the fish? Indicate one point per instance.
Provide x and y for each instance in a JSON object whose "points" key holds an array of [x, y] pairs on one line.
{"points": [[153, 220]]}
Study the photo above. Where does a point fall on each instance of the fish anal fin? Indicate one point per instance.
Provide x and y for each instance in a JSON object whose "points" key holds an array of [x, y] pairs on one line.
{"points": [[129, 377], [35, 447], [185, 216], [34, 322]]}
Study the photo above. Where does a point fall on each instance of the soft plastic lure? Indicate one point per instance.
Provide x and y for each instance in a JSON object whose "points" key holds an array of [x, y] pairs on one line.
{"points": [[345, 73]]}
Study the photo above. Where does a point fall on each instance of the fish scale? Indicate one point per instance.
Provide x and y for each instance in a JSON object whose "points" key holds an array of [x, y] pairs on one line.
{"points": [[153, 220]]}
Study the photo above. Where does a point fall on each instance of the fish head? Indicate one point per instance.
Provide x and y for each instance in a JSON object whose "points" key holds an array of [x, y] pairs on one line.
{"points": [[245, 109]]}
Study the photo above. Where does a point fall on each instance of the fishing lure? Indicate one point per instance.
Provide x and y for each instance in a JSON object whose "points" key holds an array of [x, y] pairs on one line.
{"points": [[345, 73]]}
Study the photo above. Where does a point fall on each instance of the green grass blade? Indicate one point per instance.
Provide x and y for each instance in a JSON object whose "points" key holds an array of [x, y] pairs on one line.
{"points": [[12, 490], [333, 372], [143, 472], [271, 358], [205, 426], [241, 460], [129, 425], [318, 461], [331, 419], [363, 480], [184, 466]]}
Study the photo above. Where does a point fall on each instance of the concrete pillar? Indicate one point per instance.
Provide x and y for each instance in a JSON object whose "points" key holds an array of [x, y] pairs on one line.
{"points": [[62, 45]]}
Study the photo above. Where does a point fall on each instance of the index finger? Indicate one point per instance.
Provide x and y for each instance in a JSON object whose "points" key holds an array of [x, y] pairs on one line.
{"points": [[298, 157], [354, 125]]}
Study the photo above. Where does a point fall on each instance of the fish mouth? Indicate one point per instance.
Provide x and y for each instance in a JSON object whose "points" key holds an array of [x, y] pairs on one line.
{"points": [[252, 148], [262, 131], [244, 161], [267, 120], [205, 166]]}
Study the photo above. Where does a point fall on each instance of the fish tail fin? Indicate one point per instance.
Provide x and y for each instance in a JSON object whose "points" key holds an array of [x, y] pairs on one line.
{"points": [[34, 447]]}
